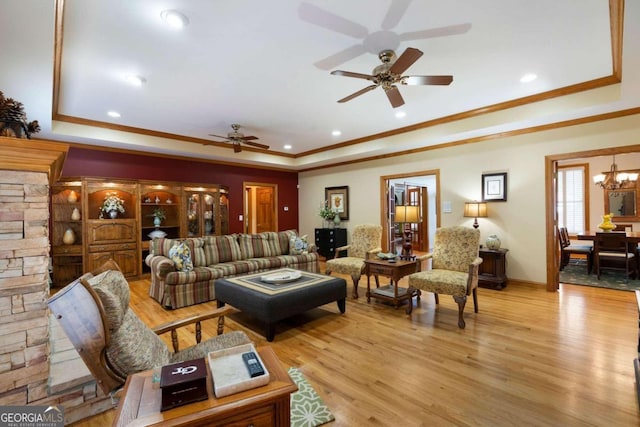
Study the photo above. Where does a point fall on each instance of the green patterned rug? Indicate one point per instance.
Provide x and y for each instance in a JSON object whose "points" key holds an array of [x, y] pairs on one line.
{"points": [[576, 274], [307, 409]]}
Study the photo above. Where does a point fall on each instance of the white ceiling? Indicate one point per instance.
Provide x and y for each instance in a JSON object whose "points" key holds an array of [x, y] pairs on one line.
{"points": [[266, 66]]}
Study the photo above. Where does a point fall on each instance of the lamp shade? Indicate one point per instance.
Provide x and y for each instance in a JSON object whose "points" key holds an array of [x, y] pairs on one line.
{"points": [[407, 214], [475, 209]]}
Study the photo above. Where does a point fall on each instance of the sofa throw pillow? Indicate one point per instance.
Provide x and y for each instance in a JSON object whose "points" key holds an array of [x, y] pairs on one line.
{"points": [[298, 245], [181, 256]]}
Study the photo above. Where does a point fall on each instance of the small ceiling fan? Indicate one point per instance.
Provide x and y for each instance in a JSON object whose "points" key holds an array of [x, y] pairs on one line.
{"points": [[237, 138], [389, 74]]}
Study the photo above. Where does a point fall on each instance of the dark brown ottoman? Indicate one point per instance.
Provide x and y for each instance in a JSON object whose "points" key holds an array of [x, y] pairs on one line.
{"points": [[270, 302]]}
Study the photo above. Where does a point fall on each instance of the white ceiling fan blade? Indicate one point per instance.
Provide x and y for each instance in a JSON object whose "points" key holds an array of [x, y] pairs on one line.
{"points": [[314, 15], [450, 30], [341, 57], [396, 11]]}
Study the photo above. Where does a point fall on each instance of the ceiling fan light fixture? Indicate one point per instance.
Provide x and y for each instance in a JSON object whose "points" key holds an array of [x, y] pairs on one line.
{"points": [[174, 19], [401, 114], [336, 133], [528, 77], [113, 114]]}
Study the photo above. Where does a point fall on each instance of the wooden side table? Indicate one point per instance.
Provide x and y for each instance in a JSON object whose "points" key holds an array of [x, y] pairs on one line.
{"points": [[395, 271], [493, 270], [268, 405]]}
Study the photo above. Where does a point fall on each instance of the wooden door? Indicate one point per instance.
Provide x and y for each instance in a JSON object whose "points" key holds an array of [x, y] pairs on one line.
{"points": [[260, 212], [418, 196], [265, 208]]}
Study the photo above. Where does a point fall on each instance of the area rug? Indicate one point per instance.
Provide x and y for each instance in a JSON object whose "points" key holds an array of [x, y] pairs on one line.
{"points": [[576, 274], [307, 409]]}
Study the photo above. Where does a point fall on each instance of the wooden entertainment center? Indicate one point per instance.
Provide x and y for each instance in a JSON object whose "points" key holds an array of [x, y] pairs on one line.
{"points": [[83, 236]]}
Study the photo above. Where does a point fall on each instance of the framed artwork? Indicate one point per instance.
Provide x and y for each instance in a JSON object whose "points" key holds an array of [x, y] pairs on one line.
{"points": [[494, 187], [338, 199]]}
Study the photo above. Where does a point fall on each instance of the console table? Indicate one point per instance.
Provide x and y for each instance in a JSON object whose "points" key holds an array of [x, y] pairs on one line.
{"points": [[266, 405], [493, 270], [328, 239]]}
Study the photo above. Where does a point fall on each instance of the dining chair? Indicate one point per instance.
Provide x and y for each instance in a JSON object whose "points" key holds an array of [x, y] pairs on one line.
{"points": [[623, 227], [567, 249], [611, 251]]}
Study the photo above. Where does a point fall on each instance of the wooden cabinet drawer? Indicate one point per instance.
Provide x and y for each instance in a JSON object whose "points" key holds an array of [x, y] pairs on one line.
{"points": [[259, 417], [67, 250], [113, 247], [379, 269]]}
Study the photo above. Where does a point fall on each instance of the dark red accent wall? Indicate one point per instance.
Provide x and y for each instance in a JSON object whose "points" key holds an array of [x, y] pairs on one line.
{"points": [[82, 162]]}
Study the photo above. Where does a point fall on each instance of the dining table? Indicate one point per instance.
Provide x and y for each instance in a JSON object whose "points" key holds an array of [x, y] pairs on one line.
{"points": [[632, 236]]}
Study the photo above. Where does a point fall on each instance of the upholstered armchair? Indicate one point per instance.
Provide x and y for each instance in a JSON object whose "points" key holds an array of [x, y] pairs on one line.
{"points": [[113, 342], [365, 243], [454, 267]]}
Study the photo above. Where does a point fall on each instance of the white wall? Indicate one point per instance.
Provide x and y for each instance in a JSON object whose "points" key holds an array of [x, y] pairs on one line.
{"points": [[519, 222]]}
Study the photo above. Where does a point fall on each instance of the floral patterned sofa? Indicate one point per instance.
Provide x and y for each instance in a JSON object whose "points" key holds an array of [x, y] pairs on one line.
{"points": [[183, 271]]}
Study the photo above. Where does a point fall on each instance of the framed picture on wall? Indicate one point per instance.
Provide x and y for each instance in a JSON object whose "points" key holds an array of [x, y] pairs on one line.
{"points": [[338, 199], [494, 187]]}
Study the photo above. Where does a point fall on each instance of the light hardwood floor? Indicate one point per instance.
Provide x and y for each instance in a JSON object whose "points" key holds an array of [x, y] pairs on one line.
{"points": [[528, 358]]}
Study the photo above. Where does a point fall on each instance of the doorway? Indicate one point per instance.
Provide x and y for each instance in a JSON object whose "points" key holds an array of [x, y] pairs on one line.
{"points": [[260, 202], [420, 188], [551, 171]]}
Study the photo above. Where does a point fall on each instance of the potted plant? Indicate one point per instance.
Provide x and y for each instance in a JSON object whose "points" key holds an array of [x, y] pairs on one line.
{"points": [[326, 213], [158, 215]]}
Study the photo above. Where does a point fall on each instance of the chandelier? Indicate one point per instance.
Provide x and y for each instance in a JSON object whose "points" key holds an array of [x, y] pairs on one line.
{"points": [[614, 180]]}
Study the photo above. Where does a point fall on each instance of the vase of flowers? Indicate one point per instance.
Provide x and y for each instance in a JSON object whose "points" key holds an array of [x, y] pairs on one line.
{"points": [[112, 205], [326, 213], [158, 215]]}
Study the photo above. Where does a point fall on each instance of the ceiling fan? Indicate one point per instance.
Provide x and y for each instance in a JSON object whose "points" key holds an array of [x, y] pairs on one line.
{"points": [[237, 138], [389, 74]]}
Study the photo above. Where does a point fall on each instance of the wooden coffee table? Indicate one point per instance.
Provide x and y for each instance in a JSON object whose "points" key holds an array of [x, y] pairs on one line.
{"points": [[395, 271], [266, 405]]}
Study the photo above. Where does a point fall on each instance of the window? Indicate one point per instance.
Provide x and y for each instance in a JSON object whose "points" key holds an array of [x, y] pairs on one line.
{"points": [[571, 198]]}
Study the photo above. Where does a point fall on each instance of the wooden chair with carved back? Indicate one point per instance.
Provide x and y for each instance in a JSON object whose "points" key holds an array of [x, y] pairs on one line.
{"points": [[110, 338]]}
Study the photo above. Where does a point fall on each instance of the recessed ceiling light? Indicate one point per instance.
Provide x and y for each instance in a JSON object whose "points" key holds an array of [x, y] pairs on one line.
{"points": [[135, 80], [336, 133], [174, 18], [529, 77], [113, 114], [400, 114], [287, 147]]}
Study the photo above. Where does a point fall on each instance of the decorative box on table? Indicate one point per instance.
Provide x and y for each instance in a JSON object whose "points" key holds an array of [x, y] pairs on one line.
{"points": [[230, 374], [182, 383]]}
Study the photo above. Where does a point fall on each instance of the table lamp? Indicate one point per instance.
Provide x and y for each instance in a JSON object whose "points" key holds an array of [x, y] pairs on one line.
{"points": [[475, 210], [407, 215]]}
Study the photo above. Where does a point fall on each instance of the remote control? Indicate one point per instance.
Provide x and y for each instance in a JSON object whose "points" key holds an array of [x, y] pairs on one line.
{"points": [[253, 365]]}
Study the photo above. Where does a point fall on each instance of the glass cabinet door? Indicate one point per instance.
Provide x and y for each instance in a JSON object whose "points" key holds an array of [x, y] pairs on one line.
{"points": [[203, 211], [209, 215], [193, 214]]}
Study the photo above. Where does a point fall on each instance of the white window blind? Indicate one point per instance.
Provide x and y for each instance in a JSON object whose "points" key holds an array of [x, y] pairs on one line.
{"points": [[571, 198]]}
